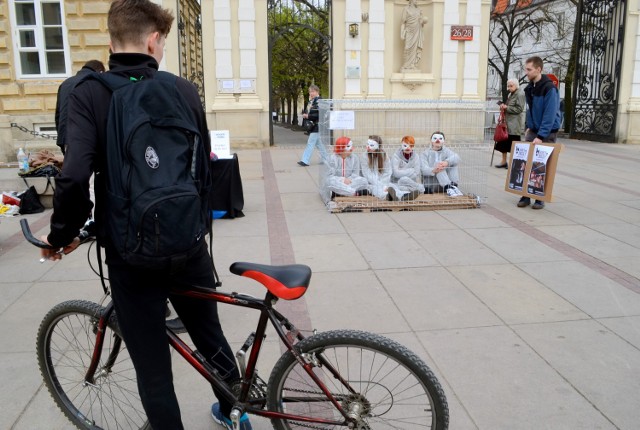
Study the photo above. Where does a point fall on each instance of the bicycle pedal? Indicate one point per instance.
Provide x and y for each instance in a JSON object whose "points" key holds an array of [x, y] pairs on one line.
{"points": [[234, 416]]}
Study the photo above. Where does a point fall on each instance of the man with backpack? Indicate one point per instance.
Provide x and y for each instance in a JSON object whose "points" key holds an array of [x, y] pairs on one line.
{"points": [[144, 133]]}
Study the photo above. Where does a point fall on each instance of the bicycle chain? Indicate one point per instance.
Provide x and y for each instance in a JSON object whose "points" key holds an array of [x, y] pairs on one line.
{"points": [[33, 132], [297, 390]]}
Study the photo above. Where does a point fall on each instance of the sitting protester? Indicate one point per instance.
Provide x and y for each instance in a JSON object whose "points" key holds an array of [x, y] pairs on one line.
{"points": [[439, 166], [405, 172], [376, 168], [343, 175]]}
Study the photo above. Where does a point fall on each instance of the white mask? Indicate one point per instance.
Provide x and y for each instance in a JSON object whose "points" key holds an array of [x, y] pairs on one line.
{"points": [[373, 145], [406, 147], [349, 147], [437, 137]]}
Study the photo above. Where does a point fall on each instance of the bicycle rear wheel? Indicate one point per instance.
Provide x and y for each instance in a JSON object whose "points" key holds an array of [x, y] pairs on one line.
{"points": [[391, 387], [65, 344]]}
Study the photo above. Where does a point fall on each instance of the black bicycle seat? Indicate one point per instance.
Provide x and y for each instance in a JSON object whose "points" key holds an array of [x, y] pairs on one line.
{"points": [[287, 282]]}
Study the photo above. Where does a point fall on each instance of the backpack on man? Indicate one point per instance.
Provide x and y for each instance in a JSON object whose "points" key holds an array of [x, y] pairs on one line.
{"points": [[157, 173]]}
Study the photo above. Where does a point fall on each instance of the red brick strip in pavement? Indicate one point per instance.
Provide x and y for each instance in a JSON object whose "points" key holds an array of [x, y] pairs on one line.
{"points": [[575, 254], [17, 238], [280, 246]]}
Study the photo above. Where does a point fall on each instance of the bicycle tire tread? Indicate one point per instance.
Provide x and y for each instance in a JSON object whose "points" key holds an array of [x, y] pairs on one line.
{"points": [[375, 341]]}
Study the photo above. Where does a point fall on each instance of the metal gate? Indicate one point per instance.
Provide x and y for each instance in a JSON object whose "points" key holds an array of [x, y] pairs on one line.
{"points": [[299, 34], [190, 43], [599, 61]]}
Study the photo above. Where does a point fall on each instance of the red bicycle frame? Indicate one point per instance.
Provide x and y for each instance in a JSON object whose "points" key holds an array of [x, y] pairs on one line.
{"points": [[200, 364]]}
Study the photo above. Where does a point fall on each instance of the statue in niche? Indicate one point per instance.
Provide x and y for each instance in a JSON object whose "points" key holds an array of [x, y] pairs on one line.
{"points": [[411, 31]]}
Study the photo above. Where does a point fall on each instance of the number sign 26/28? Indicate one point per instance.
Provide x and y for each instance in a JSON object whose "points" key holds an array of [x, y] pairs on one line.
{"points": [[461, 32]]}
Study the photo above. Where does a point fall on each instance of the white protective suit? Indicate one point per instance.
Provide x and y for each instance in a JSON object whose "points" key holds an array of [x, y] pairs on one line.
{"points": [[340, 168], [437, 181], [406, 173], [378, 181]]}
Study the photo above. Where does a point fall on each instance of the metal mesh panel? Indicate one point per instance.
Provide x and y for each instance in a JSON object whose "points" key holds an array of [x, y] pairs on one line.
{"points": [[464, 124]]}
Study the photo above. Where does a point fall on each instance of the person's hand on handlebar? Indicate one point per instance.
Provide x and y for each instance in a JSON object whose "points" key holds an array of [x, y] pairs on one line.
{"points": [[56, 254]]}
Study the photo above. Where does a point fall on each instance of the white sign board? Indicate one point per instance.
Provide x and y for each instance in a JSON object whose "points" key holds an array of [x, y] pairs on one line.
{"points": [[220, 144], [342, 120]]}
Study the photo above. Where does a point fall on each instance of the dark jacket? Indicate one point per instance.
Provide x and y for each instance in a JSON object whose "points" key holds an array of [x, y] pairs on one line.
{"points": [[314, 114], [543, 115], [61, 104], [88, 108]]}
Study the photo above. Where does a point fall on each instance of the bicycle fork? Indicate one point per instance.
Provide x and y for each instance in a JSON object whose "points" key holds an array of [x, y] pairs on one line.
{"points": [[100, 329]]}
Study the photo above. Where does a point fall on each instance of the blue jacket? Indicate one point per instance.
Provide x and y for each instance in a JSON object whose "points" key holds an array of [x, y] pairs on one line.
{"points": [[543, 115]]}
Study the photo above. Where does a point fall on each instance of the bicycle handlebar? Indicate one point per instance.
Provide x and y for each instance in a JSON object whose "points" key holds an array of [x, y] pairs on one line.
{"points": [[26, 231], [84, 235]]}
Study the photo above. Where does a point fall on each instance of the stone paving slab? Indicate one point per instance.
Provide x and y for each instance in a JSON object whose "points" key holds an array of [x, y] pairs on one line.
{"points": [[608, 375], [504, 384]]}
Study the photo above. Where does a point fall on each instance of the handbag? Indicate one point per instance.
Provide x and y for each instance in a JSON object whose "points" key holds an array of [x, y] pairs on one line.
{"points": [[501, 133], [30, 202], [310, 126]]}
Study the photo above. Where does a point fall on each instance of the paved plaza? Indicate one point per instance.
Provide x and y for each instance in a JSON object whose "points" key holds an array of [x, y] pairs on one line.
{"points": [[530, 319]]}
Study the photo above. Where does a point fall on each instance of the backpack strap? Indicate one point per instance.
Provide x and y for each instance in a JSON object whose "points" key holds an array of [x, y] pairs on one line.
{"points": [[109, 80]]}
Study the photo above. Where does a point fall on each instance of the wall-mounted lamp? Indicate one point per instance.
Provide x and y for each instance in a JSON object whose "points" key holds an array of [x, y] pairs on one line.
{"points": [[353, 29]]}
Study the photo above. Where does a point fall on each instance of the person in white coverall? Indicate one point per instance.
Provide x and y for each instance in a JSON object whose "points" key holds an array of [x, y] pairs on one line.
{"points": [[343, 171], [405, 171], [439, 166]]}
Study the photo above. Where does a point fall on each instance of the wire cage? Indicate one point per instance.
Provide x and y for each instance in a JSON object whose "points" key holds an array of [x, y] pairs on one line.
{"points": [[463, 123]]}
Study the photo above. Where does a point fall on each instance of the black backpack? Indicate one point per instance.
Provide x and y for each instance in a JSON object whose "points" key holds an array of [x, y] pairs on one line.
{"points": [[157, 173]]}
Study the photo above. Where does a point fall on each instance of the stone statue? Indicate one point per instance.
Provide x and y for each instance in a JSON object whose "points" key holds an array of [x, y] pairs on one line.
{"points": [[412, 33]]}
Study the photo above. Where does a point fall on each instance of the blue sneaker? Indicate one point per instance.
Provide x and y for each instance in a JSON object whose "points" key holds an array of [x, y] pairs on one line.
{"points": [[226, 422]]}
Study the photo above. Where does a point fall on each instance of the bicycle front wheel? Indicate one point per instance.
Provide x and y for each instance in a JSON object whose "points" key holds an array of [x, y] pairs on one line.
{"points": [[378, 382], [65, 345]]}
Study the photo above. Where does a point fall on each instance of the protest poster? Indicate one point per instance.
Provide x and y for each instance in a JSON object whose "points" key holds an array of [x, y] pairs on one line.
{"points": [[532, 169], [518, 166], [541, 155]]}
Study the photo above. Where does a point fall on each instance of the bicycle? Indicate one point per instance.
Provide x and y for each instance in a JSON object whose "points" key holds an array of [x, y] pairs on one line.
{"points": [[336, 379]]}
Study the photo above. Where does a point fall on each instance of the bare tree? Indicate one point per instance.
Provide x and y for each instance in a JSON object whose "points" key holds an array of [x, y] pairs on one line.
{"points": [[518, 31], [506, 30]]}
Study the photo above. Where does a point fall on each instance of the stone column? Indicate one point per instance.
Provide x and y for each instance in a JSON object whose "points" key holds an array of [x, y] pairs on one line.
{"points": [[353, 50], [451, 15], [377, 58]]}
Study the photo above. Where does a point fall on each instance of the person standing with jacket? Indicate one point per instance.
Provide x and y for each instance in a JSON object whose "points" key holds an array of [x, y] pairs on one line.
{"points": [[313, 115], [63, 95], [543, 116], [514, 111]]}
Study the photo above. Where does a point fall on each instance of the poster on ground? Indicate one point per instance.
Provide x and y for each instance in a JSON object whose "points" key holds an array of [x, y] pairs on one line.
{"points": [[532, 169]]}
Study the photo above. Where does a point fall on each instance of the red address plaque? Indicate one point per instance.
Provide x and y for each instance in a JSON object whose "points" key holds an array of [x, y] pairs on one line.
{"points": [[461, 32]]}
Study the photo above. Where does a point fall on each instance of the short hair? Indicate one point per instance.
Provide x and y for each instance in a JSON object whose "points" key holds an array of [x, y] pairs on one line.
{"points": [[130, 21], [314, 87], [95, 65], [536, 61], [410, 140], [513, 81]]}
